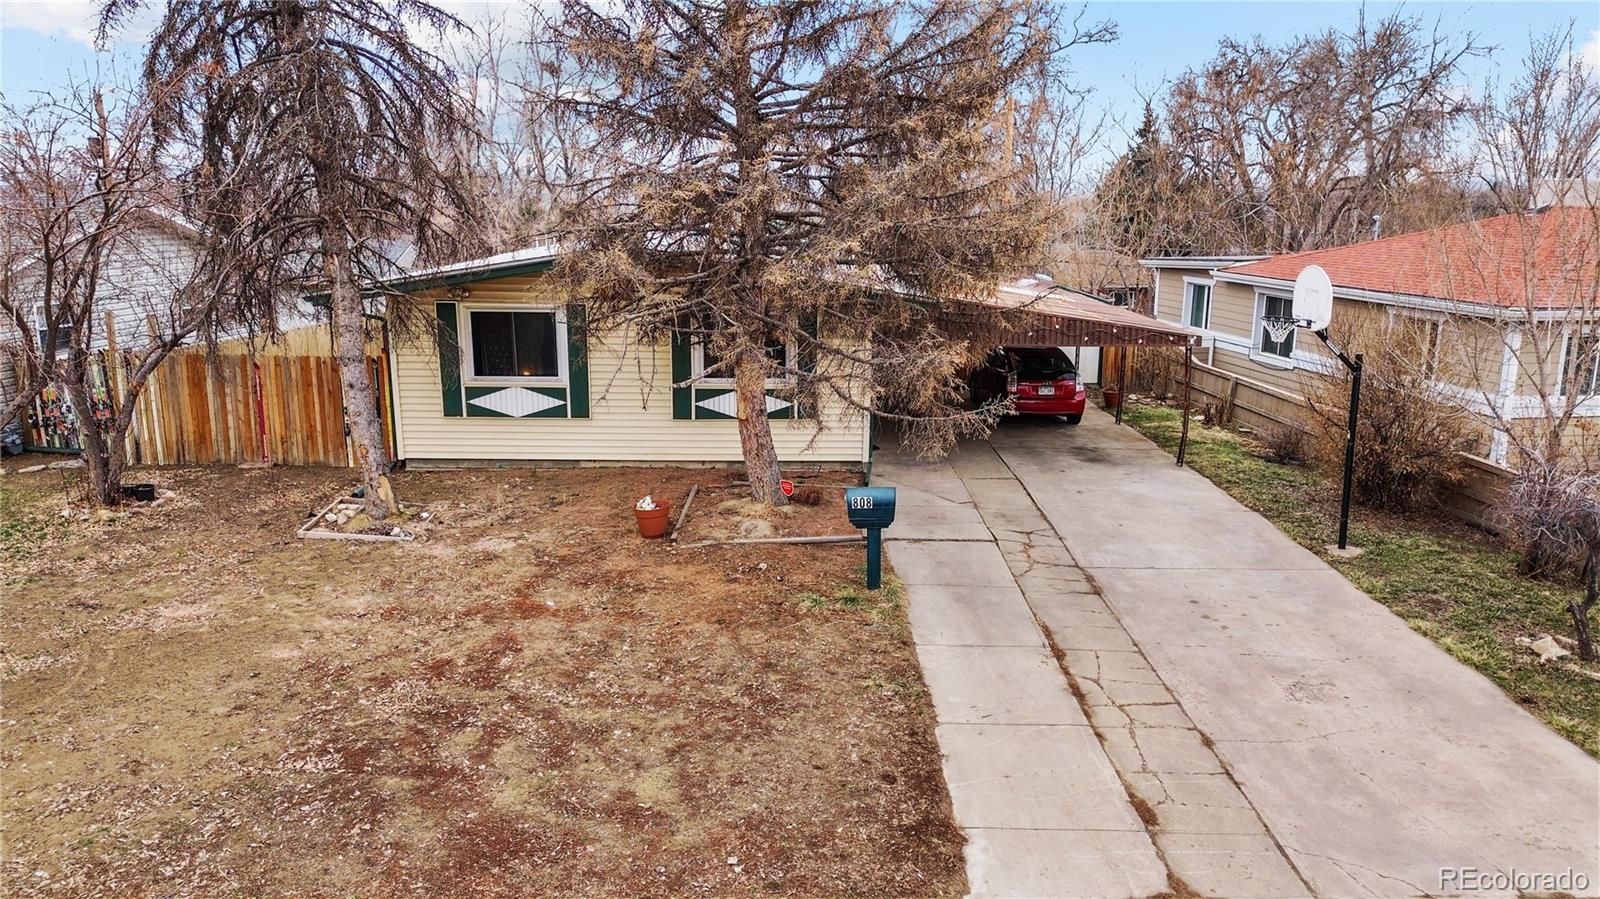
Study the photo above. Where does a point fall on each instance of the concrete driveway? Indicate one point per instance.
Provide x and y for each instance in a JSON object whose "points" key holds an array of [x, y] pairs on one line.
{"points": [[1143, 685]]}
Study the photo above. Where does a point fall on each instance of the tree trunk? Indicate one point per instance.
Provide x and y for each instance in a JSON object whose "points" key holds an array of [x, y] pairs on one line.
{"points": [[1580, 610], [755, 429], [355, 381], [102, 451]]}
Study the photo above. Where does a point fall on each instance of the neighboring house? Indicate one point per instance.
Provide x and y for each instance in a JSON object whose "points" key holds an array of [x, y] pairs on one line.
{"points": [[1462, 298], [140, 279]]}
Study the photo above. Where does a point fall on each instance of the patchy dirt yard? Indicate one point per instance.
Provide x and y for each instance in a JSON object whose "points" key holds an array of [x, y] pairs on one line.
{"points": [[530, 702]]}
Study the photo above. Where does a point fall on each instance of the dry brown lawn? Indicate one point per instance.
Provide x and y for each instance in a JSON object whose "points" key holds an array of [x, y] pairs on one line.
{"points": [[530, 702]]}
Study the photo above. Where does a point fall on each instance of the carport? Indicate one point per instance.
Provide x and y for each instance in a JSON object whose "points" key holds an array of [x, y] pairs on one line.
{"points": [[1057, 316]]}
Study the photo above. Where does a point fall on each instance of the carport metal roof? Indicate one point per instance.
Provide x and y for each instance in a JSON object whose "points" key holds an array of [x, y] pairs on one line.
{"points": [[1058, 316]]}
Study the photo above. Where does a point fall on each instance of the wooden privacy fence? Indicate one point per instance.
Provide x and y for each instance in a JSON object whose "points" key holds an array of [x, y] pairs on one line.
{"points": [[282, 409], [1263, 407]]}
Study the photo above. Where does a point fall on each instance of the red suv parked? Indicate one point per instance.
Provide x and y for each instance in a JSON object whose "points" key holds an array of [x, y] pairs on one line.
{"points": [[1042, 379]]}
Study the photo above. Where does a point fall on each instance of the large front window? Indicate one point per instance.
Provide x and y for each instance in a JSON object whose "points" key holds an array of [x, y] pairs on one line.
{"points": [[514, 344], [1277, 307]]}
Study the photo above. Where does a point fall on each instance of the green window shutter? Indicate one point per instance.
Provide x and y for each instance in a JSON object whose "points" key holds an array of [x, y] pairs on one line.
{"points": [[682, 397], [577, 361], [449, 359]]}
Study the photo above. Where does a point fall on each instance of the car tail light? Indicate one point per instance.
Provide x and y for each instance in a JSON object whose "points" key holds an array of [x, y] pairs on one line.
{"points": [[1011, 382]]}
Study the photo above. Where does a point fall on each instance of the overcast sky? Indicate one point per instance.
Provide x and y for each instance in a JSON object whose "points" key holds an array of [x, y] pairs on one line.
{"points": [[44, 43]]}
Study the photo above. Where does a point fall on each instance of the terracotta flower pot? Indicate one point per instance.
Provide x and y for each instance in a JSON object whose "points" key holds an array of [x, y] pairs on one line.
{"points": [[653, 523], [1111, 396]]}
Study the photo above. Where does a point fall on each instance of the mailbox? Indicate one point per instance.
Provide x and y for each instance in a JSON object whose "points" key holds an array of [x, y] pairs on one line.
{"points": [[871, 509]]}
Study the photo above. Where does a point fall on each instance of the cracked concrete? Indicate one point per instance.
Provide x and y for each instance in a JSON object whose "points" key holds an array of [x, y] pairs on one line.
{"points": [[1370, 758], [1203, 703], [1071, 774]]}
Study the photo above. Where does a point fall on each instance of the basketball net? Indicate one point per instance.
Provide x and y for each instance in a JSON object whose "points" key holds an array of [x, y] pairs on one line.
{"points": [[1279, 329]]}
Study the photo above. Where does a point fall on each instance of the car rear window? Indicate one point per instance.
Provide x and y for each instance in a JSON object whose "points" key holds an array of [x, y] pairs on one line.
{"points": [[1043, 365]]}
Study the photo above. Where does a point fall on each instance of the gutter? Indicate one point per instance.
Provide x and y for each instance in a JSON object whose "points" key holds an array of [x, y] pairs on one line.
{"points": [[1388, 298]]}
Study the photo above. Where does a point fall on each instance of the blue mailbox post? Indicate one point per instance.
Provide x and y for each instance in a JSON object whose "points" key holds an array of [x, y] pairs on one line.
{"points": [[872, 509]]}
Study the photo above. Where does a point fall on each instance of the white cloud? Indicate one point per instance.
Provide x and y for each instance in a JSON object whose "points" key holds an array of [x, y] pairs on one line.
{"points": [[1590, 54], [76, 20]]}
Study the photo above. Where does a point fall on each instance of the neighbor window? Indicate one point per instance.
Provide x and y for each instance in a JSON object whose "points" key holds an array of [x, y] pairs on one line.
{"points": [[1199, 305], [1121, 298], [777, 351], [514, 344], [63, 331], [1418, 339], [1582, 368], [1277, 307]]}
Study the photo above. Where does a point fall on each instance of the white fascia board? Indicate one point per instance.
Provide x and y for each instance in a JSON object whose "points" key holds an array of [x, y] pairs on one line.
{"points": [[1410, 301], [1197, 262]]}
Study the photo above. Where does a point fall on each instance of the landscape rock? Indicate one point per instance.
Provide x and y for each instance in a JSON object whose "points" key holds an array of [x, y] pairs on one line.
{"points": [[755, 528], [67, 463]]}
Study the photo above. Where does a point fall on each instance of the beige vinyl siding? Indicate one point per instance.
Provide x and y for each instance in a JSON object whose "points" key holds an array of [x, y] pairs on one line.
{"points": [[1169, 294], [630, 408]]}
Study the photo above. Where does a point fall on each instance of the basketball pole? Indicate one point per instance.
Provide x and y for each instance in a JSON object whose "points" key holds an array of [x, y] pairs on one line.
{"points": [[1188, 376], [1355, 365]]}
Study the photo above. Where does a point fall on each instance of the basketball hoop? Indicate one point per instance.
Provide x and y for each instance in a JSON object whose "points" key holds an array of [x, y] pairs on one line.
{"points": [[1279, 327]]}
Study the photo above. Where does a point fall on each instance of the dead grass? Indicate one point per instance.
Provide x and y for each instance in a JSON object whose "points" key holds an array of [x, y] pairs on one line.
{"points": [[530, 701]]}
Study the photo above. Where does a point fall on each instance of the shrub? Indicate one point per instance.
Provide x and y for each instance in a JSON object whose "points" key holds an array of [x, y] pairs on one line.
{"points": [[1407, 437], [1286, 444], [1156, 371], [1554, 510]]}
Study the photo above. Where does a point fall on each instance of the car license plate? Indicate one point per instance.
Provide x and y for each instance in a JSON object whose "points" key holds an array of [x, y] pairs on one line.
{"points": [[1047, 391]]}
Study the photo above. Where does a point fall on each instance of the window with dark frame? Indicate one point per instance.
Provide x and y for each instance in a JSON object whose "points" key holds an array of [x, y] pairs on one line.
{"points": [[777, 351], [514, 344], [1582, 368], [1277, 307]]}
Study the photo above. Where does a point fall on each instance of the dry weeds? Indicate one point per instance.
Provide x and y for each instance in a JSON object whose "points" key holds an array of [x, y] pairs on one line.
{"points": [[532, 701]]}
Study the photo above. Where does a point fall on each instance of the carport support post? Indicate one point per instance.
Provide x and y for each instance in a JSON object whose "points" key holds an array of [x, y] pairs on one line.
{"points": [[1188, 375], [1122, 380]]}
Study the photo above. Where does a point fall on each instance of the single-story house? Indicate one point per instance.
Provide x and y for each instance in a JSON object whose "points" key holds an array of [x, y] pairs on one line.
{"points": [[1492, 309], [516, 376]]}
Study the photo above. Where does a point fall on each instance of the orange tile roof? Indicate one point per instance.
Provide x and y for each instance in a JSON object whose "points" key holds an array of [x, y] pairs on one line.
{"points": [[1545, 259]]}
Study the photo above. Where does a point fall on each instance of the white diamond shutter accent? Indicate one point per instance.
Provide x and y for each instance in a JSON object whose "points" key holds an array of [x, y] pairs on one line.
{"points": [[516, 402], [728, 404]]}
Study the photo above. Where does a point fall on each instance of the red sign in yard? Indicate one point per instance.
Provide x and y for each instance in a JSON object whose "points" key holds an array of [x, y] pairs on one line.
{"points": [[787, 487]]}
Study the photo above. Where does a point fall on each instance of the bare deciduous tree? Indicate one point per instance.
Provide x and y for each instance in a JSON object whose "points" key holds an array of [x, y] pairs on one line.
{"points": [[1309, 144], [83, 186], [314, 127], [813, 175]]}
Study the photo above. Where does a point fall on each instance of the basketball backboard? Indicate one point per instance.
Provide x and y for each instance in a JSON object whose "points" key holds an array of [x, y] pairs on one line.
{"points": [[1313, 298]]}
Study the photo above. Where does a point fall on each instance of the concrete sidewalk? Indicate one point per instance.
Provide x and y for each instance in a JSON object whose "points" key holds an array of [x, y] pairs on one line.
{"points": [[1273, 730]]}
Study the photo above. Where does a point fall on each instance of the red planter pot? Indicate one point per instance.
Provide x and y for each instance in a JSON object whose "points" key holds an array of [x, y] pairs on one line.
{"points": [[653, 524]]}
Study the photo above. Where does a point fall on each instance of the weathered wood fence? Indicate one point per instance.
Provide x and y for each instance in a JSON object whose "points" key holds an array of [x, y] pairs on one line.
{"points": [[285, 409], [229, 408], [1263, 407]]}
